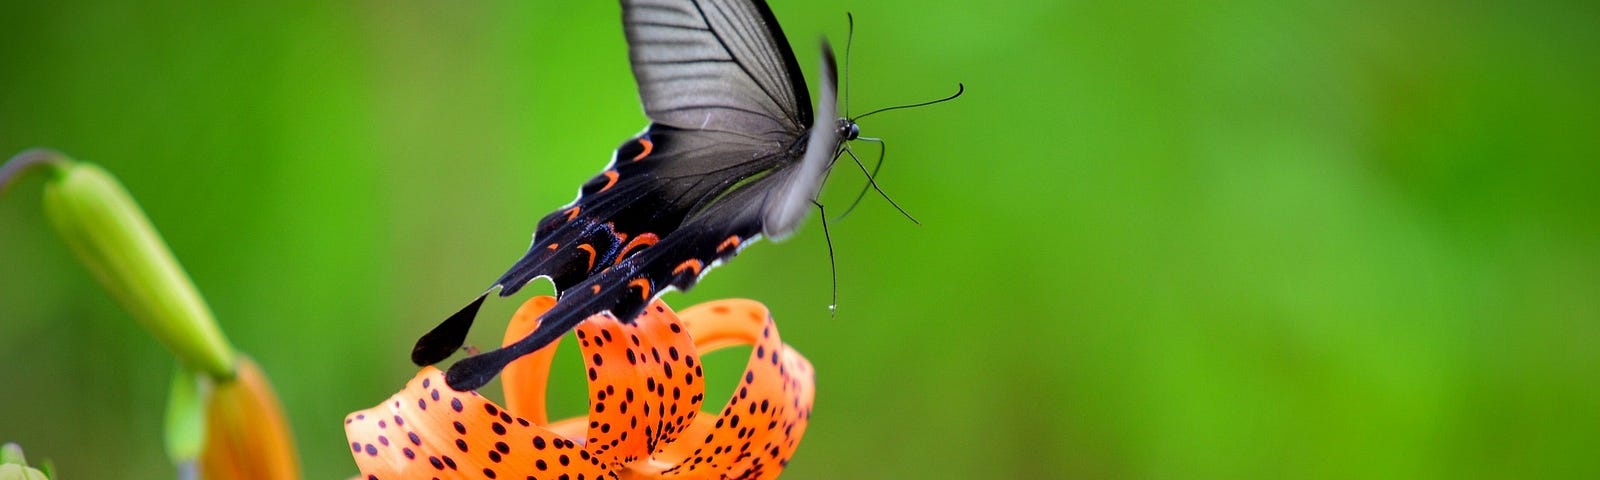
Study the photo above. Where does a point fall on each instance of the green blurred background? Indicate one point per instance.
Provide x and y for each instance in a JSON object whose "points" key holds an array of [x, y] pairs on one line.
{"points": [[1241, 239]]}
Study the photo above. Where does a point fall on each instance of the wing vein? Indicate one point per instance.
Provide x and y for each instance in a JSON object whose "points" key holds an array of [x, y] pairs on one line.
{"points": [[764, 88]]}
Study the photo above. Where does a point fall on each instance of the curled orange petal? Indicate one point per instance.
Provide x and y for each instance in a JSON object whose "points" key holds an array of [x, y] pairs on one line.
{"points": [[428, 430], [757, 432], [646, 386], [645, 380], [526, 379], [645, 383]]}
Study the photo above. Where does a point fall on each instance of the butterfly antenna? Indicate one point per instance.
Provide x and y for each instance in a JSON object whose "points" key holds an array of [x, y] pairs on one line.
{"points": [[849, 39], [833, 306], [960, 88], [882, 147], [874, 185]]}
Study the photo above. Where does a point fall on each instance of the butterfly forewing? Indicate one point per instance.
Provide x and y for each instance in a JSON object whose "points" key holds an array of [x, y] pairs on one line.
{"points": [[719, 65]]}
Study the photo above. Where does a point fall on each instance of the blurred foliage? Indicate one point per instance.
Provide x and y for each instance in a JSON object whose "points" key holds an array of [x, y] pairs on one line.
{"points": [[1164, 240]]}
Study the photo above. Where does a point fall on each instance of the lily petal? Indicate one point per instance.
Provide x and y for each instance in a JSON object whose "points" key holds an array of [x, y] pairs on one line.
{"points": [[645, 380], [645, 389], [758, 430], [429, 430], [247, 436], [526, 379]]}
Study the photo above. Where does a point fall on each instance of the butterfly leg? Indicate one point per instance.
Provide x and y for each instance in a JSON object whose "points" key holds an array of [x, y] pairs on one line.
{"points": [[833, 266], [874, 183]]}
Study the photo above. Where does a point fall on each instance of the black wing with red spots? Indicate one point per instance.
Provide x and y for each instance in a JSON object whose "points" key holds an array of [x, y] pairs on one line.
{"points": [[654, 182], [712, 229]]}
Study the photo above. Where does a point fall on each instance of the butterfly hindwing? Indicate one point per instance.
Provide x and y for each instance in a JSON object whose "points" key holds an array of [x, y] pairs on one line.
{"points": [[676, 261], [578, 240], [654, 183]]}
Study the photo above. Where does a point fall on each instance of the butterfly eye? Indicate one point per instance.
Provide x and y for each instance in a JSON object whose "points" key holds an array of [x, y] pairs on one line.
{"points": [[849, 129]]}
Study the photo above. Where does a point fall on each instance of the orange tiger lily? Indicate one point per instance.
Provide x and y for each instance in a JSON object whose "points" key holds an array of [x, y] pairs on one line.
{"points": [[644, 422]]}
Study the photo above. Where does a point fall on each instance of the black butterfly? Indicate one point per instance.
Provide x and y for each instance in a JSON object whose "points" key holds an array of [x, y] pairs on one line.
{"points": [[733, 153]]}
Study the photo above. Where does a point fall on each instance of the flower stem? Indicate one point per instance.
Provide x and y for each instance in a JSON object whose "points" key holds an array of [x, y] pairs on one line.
{"points": [[29, 160]]}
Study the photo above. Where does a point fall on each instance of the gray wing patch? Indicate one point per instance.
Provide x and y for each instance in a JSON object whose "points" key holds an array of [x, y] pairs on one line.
{"points": [[714, 65]]}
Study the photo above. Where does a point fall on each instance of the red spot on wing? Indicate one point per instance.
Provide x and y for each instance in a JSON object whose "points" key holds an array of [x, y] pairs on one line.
{"points": [[572, 213], [554, 246], [611, 177], [585, 247], [731, 242], [643, 284], [594, 288], [643, 240], [648, 146], [690, 264]]}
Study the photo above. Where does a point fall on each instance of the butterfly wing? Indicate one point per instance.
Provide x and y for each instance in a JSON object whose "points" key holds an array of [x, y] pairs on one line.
{"points": [[728, 103], [654, 182], [714, 230], [676, 262], [719, 65]]}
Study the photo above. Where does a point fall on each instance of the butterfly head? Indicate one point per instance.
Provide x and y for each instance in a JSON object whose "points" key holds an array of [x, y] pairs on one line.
{"points": [[848, 130]]}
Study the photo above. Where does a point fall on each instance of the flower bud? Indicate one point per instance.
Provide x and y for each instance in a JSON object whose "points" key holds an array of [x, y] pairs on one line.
{"points": [[111, 235]]}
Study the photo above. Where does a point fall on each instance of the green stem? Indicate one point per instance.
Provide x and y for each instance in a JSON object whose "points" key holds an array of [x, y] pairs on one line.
{"points": [[29, 160]]}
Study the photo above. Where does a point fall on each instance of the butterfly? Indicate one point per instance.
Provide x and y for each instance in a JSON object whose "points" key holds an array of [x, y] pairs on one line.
{"points": [[733, 153]]}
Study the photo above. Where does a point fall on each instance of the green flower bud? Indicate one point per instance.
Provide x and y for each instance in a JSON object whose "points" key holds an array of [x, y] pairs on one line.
{"points": [[97, 217]]}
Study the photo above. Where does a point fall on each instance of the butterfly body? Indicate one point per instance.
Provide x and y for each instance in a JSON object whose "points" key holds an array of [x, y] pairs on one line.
{"points": [[733, 153]]}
